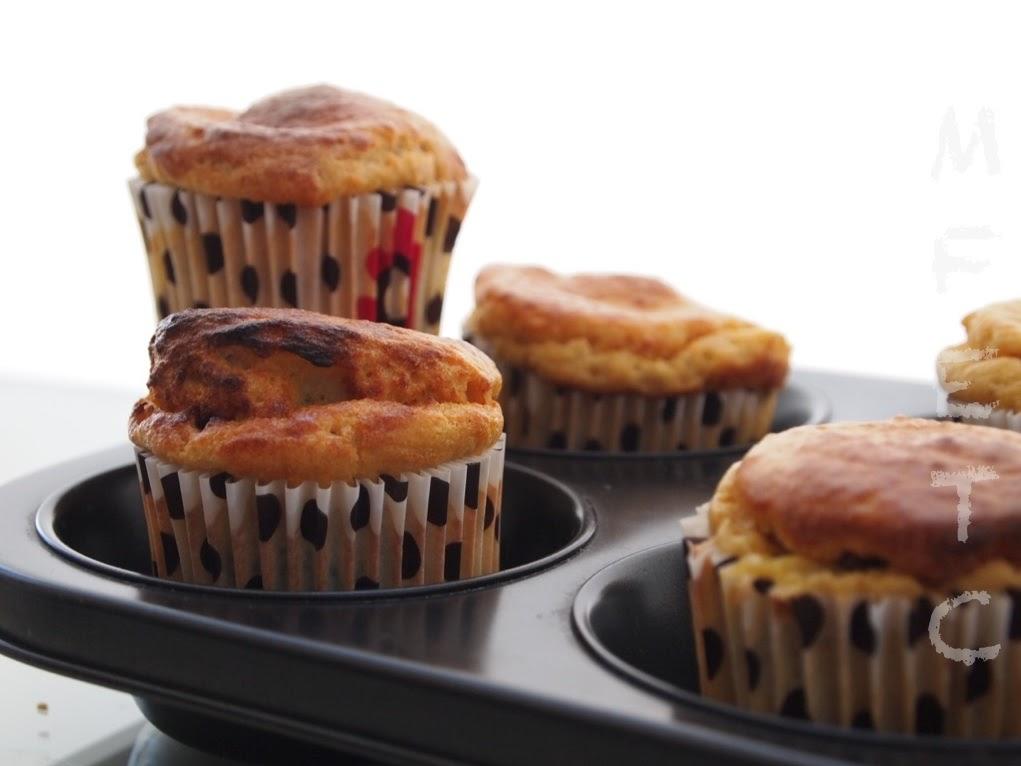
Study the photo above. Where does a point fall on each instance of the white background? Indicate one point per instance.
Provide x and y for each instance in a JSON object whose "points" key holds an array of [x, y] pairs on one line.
{"points": [[775, 160]]}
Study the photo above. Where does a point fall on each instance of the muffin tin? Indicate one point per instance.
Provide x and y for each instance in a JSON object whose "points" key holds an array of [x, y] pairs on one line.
{"points": [[575, 654]]}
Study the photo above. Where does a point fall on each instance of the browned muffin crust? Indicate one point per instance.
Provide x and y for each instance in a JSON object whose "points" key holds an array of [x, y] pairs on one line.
{"points": [[611, 333], [283, 393], [862, 492], [988, 365], [307, 146]]}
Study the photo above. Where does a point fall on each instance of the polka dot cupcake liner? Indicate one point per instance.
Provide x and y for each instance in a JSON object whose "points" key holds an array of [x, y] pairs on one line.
{"points": [[539, 414], [850, 660], [382, 256], [434, 526]]}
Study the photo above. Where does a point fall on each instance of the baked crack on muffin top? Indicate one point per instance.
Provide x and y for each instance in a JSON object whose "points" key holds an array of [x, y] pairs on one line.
{"points": [[284, 393]]}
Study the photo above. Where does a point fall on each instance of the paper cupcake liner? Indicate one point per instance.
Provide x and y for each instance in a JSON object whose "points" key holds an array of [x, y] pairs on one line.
{"points": [[382, 256], [434, 526], [541, 414], [997, 418], [850, 661]]}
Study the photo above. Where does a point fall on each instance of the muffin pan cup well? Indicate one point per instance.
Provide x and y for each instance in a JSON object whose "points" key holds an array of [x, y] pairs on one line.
{"points": [[491, 672]]}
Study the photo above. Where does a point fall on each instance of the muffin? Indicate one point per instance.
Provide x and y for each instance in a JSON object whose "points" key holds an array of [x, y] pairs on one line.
{"points": [[287, 450], [622, 363], [316, 198], [982, 376], [831, 579]]}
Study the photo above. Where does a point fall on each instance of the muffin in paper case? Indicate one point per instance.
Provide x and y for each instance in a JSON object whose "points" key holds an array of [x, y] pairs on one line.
{"points": [[382, 256], [433, 526], [851, 660]]}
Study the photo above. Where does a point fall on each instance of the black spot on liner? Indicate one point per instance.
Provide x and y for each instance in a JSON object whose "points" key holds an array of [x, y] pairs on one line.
{"points": [[762, 584], [754, 667], [218, 484], [728, 437], [162, 307], [396, 489], [172, 495], [171, 556], [210, 559], [453, 228], [979, 680], [178, 210], [329, 270], [630, 435], [168, 268], [712, 651], [313, 524], [213, 247], [434, 309], [250, 283], [288, 213], [430, 219], [289, 288], [146, 211], [254, 583], [411, 557], [593, 445], [863, 720], [928, 715], [439, 497], [863, 637], [490, 513], [557, 440], [712, 411], [795, 705], [471, 485], [1015, 613], [360, 511], [452, 562], [366, 583], [669, 409], [387, 201], [268, 512], [808, 613], [918, 620], [251, 211]]}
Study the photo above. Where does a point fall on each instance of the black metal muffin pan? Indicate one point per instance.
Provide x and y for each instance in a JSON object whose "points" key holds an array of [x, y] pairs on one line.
{"points": [[576, 655]]}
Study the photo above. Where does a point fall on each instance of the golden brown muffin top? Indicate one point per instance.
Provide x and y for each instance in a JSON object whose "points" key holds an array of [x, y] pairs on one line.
{"points": [[987, 368], [618, 333], [861, 495], [284, 393], [307, 146]]}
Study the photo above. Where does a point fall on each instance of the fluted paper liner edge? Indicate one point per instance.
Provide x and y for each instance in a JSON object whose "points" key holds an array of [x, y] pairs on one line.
{"points": [[434, 526]]}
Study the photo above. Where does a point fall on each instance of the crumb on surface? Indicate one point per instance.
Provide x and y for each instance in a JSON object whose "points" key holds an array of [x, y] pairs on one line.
{"points": [[42, 708]]}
